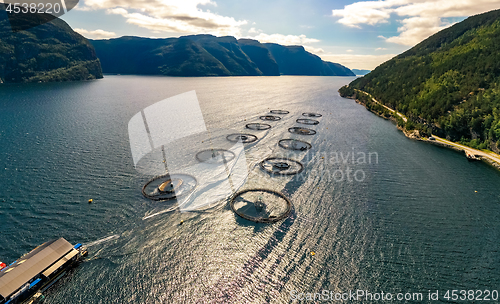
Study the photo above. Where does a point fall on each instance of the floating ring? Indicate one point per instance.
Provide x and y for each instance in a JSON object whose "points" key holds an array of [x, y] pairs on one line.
{"points": [[244, 138], [311, 115], [279, 112], [215, 156], [270, 117], [260, 208], [301, 131], [294, 144], [169, 186], [306, 121], [281, 166], [258, 126]]}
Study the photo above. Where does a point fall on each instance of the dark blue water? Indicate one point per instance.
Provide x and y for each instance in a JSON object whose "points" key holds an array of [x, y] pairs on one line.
{"points": [[408, 220]]}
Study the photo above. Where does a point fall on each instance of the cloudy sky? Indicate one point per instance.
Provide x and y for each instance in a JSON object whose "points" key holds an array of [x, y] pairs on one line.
{"points": [[358, 34]]}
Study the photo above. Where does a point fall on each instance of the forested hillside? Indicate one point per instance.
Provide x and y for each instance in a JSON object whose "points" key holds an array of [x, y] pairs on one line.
{"points": [[448, 84], [51, 51], [207, 55]]}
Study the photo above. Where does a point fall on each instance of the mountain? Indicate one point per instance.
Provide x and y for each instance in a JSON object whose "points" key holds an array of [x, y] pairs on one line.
{"points": [[260, 55], [172, 56], [227, 51], [295, 60], [448, 84], [47, 52], [202, 55], [207, 55], [360, 72], [335, 69]]}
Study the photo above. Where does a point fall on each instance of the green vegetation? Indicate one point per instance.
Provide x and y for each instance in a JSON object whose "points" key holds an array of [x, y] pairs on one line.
{"points": [[48, 52], [449, 84], [202, 55]]}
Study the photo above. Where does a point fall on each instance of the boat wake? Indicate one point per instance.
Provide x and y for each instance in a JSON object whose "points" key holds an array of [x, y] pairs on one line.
{"points": [[104, 240], [159, 213]]}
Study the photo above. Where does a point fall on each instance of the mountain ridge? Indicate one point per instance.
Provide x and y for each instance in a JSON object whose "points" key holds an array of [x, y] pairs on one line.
{"points": [[312, 65], [208, 55]]}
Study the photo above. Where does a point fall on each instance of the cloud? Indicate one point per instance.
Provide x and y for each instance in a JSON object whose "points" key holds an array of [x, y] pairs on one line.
{"points": [[421, 18], [380, 49], [97, 34], [349, 51], [416, 29], [170, 16], [353, 61], [447, 8], [364, 12], [314, 50], [284, 39], [287, 40], [186, 17], [80, 7], [253, 31]]}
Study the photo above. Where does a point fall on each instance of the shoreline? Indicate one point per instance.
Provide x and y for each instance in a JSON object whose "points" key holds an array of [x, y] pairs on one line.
{"points": [[492, 160]]}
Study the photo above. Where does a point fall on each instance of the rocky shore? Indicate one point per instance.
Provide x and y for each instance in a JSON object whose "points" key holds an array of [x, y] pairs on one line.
{"points": [[415, 135]]}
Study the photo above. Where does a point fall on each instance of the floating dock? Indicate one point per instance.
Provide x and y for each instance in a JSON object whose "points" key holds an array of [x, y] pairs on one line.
{"points": [[24, 280]]}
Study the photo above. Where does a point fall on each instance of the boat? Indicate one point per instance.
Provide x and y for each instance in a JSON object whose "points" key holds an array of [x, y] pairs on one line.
{"points": [[471, 157], [25, 280]]}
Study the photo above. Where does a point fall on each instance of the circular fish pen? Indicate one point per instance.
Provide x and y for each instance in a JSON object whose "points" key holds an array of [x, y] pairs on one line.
{"points": [[311, 115], [169, 186], [294, 144], [258, 126], [244, 138], [301, 131], [215, 156], [270, 117], [281, 166], [279, 112], [306, 121], [261, 205]]}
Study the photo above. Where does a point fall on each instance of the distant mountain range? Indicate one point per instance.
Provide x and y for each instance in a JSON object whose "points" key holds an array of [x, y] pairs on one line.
{"points": [[207, 55], [449, 84], [48, 52], [52, 51], [360, 72]]}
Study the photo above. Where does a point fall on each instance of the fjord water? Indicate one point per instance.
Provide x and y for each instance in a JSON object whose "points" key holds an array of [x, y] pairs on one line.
{"points": [[411, 222]]}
